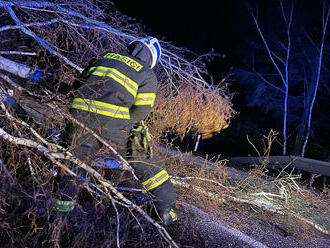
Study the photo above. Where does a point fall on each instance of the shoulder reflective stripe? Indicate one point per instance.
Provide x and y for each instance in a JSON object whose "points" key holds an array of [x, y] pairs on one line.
{"points": [[145, 99], [116, 75], [127, 60], [156, 180], [101, 108]]}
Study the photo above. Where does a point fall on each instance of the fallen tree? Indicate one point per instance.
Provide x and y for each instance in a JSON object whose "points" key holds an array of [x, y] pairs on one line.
{"points": [[45, 47]]}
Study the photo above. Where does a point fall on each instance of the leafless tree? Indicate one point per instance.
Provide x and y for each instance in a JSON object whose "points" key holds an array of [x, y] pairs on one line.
{"points": [[281, 65], [315, 85], [285, 67]]}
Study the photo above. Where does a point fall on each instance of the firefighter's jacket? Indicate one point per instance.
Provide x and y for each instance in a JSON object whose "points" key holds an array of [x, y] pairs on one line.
{"points": [[118, 88]]}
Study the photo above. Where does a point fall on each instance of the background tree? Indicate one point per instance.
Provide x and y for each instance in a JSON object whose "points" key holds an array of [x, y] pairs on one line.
{"points": [[289, 68]]}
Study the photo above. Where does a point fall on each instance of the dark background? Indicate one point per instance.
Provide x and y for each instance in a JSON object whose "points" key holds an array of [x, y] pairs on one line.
{"points": [[228, 28], [199, 26]]}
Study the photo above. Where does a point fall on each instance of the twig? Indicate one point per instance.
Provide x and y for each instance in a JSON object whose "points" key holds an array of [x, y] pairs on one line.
{"points": [[198, 189], [247, 137], [201, 179], [5, 170], [23, 123], [16, 86], [118, 222]]}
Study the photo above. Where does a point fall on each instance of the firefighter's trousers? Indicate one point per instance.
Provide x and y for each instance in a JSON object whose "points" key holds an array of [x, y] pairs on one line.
{"points": [[149, 171]]}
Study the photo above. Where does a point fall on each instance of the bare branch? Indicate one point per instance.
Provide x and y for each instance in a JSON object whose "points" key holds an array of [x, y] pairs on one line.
{"points": [[41, 41], [18, 53]]}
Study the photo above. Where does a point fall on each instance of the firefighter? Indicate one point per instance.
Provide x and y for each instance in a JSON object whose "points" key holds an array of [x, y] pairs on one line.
{"points": [[118, 91]]}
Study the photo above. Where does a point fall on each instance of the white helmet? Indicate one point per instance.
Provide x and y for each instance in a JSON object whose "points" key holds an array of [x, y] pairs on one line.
{"points": [[154, 47]]}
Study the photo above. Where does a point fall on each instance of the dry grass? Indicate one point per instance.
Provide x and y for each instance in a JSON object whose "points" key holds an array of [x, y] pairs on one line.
{"points": [[282, 195]]}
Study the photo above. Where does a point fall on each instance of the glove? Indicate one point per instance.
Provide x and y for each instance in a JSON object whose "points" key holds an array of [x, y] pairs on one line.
{"points": [[141, 141], [109, 163]]}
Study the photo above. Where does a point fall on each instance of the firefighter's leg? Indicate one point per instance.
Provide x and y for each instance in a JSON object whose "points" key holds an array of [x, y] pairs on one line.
{"points": [[67, 194], [83, 147], [156, 180]]}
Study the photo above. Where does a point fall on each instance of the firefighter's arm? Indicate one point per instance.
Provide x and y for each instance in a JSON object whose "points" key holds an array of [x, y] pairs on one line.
{"points": [[144, 100], [139, 112]]}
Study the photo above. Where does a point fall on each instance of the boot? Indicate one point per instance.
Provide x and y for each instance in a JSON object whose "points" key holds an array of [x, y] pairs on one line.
{"points": [[170, 214]]}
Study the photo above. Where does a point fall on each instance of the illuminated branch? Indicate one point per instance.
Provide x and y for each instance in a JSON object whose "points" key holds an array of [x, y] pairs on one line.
{"points": [[40, 41], [317, 81], [283, 75]]}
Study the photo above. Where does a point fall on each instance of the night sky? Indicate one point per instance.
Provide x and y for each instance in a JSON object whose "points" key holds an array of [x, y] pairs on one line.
{"points": [[199, 26], [226, 26]]}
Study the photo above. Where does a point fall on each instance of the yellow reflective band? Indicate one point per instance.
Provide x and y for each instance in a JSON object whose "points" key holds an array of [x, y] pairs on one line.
{"points": [[145, 99], [116, 75], [64, 206], [127, 60], [101, 108], [65, 203], [173, 215], [156, 180]]}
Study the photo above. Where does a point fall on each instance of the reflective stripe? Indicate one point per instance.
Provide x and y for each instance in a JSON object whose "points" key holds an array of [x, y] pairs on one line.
{"points": [[127, 60], [116, 75], [145, 99], [101, 108], [173, 215], [156, 180], [156, 45], [64, 206]]}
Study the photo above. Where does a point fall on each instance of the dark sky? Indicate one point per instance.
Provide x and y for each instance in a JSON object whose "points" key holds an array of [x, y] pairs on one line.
{"points": [[198, 26], [224, 25]]}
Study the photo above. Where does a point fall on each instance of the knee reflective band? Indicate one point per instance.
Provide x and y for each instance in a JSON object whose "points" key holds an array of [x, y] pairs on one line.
{"points": [[64, 206], [101, 108], [156, 180]]}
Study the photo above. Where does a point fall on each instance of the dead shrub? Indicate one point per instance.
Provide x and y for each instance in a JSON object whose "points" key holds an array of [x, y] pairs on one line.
{"points": [[202, 109]]}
